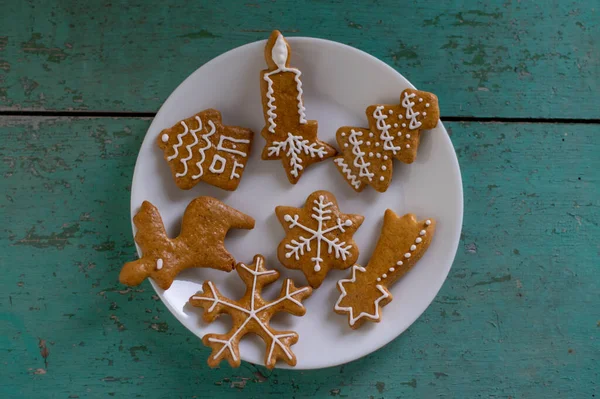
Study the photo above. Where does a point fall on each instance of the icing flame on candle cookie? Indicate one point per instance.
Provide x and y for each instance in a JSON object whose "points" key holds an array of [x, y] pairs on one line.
{"points": [[279, 53]]}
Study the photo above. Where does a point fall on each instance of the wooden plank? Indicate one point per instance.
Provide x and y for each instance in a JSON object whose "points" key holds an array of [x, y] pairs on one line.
{"points": [[518, 316], [485, 59]]}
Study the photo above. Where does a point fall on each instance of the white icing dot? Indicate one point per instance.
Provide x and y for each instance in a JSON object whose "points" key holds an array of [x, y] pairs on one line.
{"points": [[422, 232], [370, 134], [346, 145], [418, 240], [348, 222], [420, 100], [317, 268], [378, 279], [413, 247], [407, 255], [159, 264], [288, 255], [371, 154], [234, 146], [408, 146], [399, 263], [392, 269], [343, 134], [399, 116], [385, 157], [428, 222], [378, 155], [384, 275], [381, 178], [424, 113], [377, 144], [384, 167], [321, 198], [427, 105], [404, 125], [407, 136], [368, 143], [395, 125], [390, 111], [165, 138]]}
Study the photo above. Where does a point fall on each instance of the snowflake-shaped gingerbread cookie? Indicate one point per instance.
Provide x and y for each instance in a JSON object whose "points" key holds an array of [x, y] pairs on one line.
{"points": [[251, 314], [318, 237]]}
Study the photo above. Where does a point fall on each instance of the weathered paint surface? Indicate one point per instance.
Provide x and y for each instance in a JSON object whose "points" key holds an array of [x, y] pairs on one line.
{"points": [[518, 316], [493, 58]]}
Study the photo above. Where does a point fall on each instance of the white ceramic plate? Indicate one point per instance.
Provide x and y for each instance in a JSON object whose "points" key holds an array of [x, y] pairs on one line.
{"points": [[339, 83]]}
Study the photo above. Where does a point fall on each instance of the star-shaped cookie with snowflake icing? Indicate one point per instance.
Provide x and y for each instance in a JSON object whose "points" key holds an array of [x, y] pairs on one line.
{"points": [[394, 132], [318, 237], [251, 314]]}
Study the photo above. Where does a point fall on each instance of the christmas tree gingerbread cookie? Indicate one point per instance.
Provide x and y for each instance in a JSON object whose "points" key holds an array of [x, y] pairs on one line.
{"points": [[318, 237], [251, 314], [200, 244], [394, 132], [289, 135], [402, 242], [201, 148]]}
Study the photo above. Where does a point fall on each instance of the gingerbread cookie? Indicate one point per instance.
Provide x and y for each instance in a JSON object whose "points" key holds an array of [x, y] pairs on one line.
{"points": [[201, 148], [251, 314], [200, 244], [290, 137], [318, 237], [402, 242], [394, 132]]}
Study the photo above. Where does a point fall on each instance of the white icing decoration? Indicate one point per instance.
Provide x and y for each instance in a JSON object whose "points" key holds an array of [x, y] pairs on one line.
{"points": [[418, 240], [408, 146], [378, 278], [378, 155], [279, 54], [424, 113], [190, 146], [407, 136], [392, 269], [294, 146], [371, 154], [352, 178], [233, 140], [165, 138], [428, 222], [383, 167], [395, 125], [420, 100], [381, 178], [370, 135], [346, 145], [252, 313], [385, 158], [390, 111], [159, 264], [407, 255], [413, 247], [404, 125], [353, 319], [383, 127], [298, 248], [343, 134], [384, 275], [399, 263], [236, 165], [410, 114], [202, 150], [217, 158], [422, 232], [368, 143], [427, 105], [359, 161]]}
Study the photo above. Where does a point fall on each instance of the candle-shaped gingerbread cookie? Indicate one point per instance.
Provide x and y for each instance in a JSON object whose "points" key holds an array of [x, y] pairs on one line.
{"points": [[289, 135], [402, 242]]}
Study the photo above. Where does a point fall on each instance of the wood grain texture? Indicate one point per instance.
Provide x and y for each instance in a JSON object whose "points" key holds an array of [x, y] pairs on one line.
{"points": [[482, 58], [518, 316]]}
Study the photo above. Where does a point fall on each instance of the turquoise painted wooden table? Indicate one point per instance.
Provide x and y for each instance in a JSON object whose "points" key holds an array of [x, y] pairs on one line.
{"points": [[519, 87]]}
